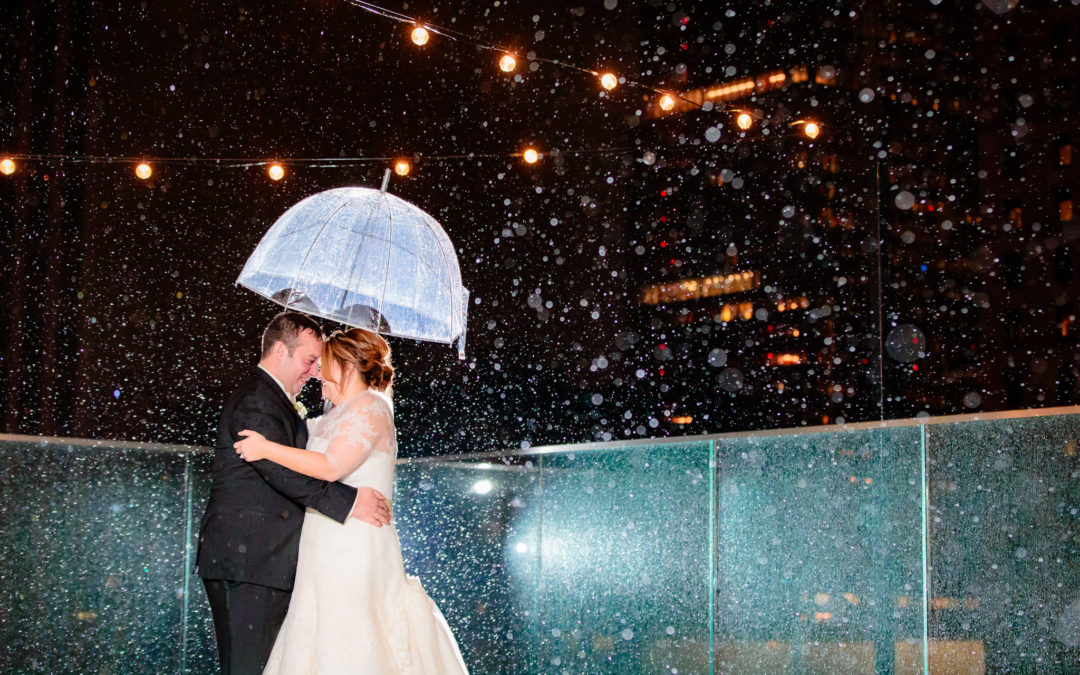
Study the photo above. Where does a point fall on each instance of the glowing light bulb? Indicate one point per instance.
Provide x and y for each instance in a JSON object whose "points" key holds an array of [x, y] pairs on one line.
{"points": [[420, 36], [482, 487], [7, 166], [144, 171], [402, 168], [530, 156], [667, 102], [744, 120], [276, 172], [609, 81], [507, 63], [811, 130]]}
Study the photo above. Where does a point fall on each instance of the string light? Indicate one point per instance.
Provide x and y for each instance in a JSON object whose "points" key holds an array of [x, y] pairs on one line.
{"points": [[609, 81], [7, 166], [420, 36], [667, 102], [402, 168], [507, 63], [276, 172], [744, 120], [811, 130], [531, 156], [143, 171]]}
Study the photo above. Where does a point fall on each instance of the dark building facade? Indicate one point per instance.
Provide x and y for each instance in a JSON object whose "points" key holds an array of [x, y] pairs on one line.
{"points": [[913, 257]]}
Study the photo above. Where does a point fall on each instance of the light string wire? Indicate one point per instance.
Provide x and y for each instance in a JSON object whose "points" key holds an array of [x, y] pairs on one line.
{"points": [[319, 162], [483, 44]]}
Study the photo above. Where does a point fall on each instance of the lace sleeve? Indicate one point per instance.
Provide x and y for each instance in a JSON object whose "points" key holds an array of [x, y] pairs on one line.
{"points": [[366, 425]]}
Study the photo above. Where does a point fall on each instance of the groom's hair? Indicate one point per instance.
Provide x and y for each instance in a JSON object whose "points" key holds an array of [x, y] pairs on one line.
{"points": [[286, 328]]}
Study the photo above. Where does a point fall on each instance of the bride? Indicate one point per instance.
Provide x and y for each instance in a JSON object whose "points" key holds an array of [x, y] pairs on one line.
{"points": [[353, 608]]}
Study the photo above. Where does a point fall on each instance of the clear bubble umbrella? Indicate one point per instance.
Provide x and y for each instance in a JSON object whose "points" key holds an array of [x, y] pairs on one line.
{"points": [[365, 258]]}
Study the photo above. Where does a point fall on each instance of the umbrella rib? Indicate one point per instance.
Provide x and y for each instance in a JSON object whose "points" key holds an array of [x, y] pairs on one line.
{"points": [[450, 283], [389, 255], [364, 232], [307, 253]]}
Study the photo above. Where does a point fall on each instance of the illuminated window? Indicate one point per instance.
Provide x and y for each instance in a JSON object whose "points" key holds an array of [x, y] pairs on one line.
{"points": [[702, 287], [1065, 154], [1065, 210], [1016, 217], [785, 359]]}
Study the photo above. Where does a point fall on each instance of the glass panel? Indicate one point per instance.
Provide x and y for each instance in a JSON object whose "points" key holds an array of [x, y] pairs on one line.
{"points": [[1005, 553], [818, 556], [459, 525], [200, 647], [91, 558], [624, 578]]}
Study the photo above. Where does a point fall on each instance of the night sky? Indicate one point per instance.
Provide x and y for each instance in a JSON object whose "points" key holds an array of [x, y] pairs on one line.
{"points": [[125, 322]]}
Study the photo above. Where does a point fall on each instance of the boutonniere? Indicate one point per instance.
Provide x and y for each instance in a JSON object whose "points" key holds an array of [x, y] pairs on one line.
{"points": [[301, 410]]}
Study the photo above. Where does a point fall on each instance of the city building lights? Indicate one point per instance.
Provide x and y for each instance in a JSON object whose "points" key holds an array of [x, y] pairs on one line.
{"points": [[785, 359], [702, 287]]}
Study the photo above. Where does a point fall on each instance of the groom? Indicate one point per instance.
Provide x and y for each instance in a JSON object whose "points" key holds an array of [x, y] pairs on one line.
{"points": [[250, 533]]}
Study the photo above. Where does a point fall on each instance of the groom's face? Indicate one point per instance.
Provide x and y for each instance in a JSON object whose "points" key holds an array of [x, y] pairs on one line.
{"points": [[303, 363]]}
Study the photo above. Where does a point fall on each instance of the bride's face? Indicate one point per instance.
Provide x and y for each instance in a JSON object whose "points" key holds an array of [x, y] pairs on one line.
{"points": [[330, 370]]}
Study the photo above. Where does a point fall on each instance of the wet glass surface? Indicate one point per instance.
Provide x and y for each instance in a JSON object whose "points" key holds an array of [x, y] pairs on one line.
{"points": [[862, 549]]}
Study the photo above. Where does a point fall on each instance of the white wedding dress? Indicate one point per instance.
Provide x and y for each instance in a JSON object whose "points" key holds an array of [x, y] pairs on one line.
{"points": [[353, 608]]}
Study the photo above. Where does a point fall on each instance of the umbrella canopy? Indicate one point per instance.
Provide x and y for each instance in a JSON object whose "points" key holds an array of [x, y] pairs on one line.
{"points": [[365, 258]]}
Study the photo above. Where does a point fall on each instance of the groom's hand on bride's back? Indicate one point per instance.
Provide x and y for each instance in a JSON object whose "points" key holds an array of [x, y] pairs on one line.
{"points": [[371, 507]]}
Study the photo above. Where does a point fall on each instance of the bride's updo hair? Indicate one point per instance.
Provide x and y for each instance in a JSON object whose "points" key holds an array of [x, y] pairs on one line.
{"points": [[368, 353]]}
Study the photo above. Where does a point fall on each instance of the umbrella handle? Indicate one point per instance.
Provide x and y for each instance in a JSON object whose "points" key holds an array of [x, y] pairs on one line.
{"points": [[385, 181]]}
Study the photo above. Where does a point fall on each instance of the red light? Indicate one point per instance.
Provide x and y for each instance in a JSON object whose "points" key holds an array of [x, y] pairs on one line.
{"points": [[686, 19], [663, 193], [684, 46], [663, 346], [930, 207], [769, 355], [865, 361], [661, 371], [770, 328], [915, 341], [663, 219], [663, 244], [673, 261], [915, 367]]}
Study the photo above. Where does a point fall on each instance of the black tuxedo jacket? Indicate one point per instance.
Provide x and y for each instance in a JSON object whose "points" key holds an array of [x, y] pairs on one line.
{"points": [[251, 529]]}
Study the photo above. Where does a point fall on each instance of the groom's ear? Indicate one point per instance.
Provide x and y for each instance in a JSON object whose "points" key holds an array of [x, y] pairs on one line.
{"points": [[280, 350]]}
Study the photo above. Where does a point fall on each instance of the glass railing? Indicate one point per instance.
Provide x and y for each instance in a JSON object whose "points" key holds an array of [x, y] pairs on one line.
{"points": [[933, 545]]}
